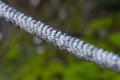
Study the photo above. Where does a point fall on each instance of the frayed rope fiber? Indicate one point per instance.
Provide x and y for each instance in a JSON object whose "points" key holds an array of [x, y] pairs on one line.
{"points": [[61, 40]]}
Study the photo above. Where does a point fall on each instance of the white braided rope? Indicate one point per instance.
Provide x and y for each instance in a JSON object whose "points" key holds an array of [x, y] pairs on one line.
{"points": [[61, 40]]}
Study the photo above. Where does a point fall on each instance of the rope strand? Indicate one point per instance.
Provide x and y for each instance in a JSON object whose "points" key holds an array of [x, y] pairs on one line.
{"points": [[61, 40]]}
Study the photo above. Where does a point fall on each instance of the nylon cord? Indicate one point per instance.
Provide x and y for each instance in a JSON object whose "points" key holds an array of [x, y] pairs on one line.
{"points": [[61, 40]]}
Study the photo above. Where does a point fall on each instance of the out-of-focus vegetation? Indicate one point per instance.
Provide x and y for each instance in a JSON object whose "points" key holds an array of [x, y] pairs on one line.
{"points": [[25, 57]]}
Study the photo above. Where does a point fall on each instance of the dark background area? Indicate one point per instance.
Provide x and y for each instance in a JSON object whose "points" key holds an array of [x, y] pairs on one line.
{"points": [[25, 57]]}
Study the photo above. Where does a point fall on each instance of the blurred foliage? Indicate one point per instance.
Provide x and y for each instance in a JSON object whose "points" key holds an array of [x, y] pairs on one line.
{"points": [[115, 39], [25, 57]]}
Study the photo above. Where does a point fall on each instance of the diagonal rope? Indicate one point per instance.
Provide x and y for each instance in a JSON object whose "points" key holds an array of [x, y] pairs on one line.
{"points": [[61, 40]]}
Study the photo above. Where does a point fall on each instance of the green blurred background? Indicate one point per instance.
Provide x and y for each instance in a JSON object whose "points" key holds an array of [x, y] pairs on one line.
{"points": [[25, 57]]}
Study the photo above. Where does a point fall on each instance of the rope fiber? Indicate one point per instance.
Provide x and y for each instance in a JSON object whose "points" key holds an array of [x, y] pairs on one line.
{"points": [[61, 40]]}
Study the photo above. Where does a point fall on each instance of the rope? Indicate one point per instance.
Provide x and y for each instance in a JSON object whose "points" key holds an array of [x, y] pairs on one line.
{"points": [[61, 40]]}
